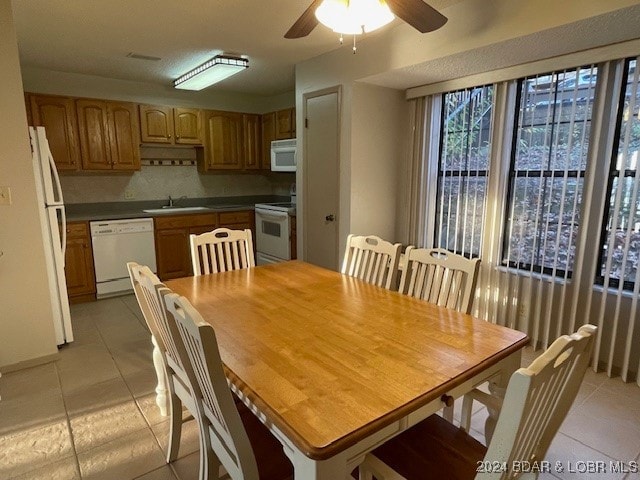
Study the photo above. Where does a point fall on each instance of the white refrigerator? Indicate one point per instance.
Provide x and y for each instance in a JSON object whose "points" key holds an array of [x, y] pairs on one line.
{"points": [[54, 231]]}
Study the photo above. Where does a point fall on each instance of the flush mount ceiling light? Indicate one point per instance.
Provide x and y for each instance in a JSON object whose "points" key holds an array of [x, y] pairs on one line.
{"points": [[210, 72], [353, 17]]}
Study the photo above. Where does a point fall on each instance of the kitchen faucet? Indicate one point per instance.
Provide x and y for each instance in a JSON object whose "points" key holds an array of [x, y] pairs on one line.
{"points": [[172, 202]]}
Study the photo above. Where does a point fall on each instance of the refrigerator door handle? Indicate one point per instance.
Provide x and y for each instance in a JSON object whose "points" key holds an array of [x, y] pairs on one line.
{"points": [[57, 196], [64, 235]]}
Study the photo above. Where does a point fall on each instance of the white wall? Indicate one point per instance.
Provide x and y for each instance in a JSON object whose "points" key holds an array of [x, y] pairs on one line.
{"points": [[526, 30], [26, 327], [376, 113]]}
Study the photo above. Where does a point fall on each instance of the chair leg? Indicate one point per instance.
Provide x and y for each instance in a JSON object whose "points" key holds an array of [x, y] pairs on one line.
{"points": [[447, 414], [175, 426], [465, 414]]}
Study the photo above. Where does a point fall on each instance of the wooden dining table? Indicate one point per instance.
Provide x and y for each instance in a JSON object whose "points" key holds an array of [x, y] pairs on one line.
{"points": [[335, 366]]}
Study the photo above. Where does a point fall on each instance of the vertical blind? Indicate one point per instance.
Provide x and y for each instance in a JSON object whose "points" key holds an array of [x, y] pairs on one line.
{"points": [[555, 254], [620, 254], [549, 158], [463, 169]]}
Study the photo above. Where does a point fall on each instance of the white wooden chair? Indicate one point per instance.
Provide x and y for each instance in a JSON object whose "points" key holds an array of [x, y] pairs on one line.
{"points": [[372, 259], [537, 400], [233, 437], [147, 287], [441, 277], [221, 250]]}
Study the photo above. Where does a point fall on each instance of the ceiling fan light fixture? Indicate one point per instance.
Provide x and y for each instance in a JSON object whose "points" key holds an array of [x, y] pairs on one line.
{"points": [[353, 17], [210, 72]]}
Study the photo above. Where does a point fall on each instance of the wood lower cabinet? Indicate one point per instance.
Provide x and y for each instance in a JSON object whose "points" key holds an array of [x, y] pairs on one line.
{"points": [[58, 116], [79, 270], [173, 254]]}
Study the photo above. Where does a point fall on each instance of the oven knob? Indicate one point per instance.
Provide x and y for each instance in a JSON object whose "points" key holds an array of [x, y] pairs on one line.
{"points": [[330, 218]]}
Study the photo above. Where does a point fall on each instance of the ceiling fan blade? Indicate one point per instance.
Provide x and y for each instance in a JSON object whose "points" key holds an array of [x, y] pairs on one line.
{"points": [[305, 23], [418, 14]]}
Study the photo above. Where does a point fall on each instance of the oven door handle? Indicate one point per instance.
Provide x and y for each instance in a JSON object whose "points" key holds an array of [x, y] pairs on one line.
{"points": [[271, 214]]}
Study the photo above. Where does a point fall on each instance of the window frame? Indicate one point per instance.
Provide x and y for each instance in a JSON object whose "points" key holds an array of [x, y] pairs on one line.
{"points": [[556, 273], [614, 173], [475, 173]]}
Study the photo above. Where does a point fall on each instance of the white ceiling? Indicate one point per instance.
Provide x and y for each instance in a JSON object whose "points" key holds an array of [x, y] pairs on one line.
{"points": [[94, 37]]}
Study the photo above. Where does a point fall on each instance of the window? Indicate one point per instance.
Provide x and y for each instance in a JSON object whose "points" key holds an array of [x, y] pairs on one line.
{"points": [[549, 158], [465, 143], [620, 253]]}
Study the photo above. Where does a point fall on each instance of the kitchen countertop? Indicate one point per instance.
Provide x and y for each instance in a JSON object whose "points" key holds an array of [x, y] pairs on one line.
{"points": [[123, 210]]}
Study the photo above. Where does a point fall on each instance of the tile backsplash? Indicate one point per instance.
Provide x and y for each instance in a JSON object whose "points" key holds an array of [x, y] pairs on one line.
{"points": [[158, 182]]}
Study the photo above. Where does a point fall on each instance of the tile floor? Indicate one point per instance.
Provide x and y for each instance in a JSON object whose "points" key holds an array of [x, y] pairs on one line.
{"points": [[92, 414]]}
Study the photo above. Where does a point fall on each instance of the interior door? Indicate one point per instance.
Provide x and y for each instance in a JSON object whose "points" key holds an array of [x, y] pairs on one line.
{"points": [[321, 177]]}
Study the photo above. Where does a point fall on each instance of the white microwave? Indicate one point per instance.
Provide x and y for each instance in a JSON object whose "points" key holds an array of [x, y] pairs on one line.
{"points": [[283, 155]]}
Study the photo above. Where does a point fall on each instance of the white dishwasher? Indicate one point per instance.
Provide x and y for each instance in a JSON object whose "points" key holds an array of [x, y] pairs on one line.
{"points": [[116, 242]]}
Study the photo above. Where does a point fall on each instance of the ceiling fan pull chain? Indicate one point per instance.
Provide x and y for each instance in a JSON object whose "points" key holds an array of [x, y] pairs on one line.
{"points": [[341, 39], [354, 44]]}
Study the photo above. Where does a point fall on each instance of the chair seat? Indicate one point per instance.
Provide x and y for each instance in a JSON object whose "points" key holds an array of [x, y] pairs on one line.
{"points": [[435, 449], [272, 463]]}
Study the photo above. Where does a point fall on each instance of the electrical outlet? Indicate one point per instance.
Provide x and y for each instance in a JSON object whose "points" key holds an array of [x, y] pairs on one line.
{"points": [[128, 194], [5, 196]]}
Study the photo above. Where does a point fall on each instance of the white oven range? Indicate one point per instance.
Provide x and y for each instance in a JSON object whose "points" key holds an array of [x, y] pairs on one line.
{"points": [[273, 232]]}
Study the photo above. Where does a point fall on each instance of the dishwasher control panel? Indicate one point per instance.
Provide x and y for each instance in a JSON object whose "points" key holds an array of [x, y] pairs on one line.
{"points": [[122, 226]]}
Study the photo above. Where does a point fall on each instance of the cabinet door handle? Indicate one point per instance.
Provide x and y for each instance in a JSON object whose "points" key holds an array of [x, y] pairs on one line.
{"points": [[168, 136], [330, 218]]}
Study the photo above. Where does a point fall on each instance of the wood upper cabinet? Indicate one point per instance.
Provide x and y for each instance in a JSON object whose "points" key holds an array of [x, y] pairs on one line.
{"points": [[268, 136], [285, 124], [252, 141], [188, 126], [58, 116], [94, 134], [156, 124], [159, 124], [124, 137], [79, 271], [223, 141], [108, 135]]}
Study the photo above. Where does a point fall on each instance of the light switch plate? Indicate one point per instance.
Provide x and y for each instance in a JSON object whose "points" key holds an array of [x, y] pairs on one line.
{"points": [[5, 196]]}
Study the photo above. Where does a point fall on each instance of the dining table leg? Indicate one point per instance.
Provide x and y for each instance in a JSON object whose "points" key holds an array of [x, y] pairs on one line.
{"points": [[162, 399], [305, 468]]}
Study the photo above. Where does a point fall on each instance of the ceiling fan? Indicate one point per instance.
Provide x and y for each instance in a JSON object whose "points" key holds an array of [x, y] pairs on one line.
{"points": [[416, 13]]}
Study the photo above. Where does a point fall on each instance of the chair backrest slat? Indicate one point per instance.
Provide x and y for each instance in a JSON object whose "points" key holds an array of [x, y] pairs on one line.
{"points": [[439, 276], [221, 250], [221, 428], [372, 259], [147, 288], [538, 399]]}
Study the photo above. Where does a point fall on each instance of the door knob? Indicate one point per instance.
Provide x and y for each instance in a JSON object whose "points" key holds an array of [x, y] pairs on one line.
{"points": [[330, 218]]}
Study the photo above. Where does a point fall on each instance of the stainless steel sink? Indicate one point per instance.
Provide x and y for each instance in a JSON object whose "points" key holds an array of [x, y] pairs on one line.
{"points": [[175, 209]]}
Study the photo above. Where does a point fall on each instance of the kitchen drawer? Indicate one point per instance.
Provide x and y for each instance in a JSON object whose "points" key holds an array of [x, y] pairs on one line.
{"points": [[227, 218], [185, 221], [79, 229]]}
